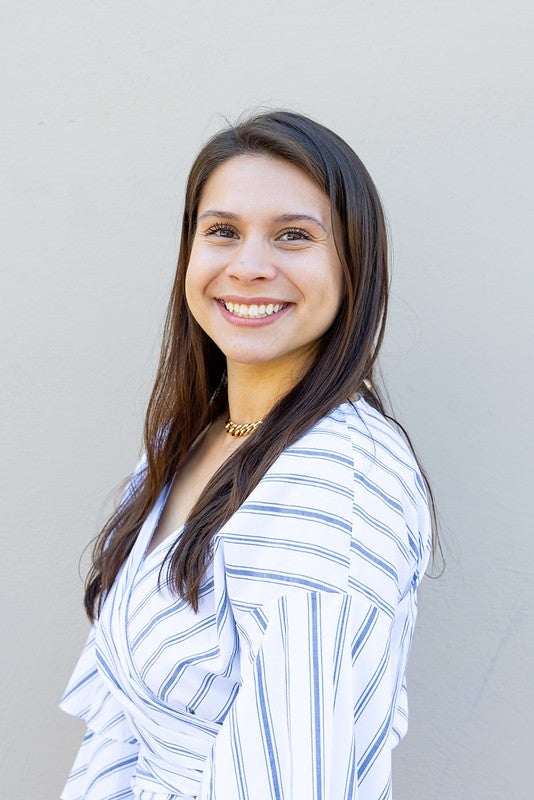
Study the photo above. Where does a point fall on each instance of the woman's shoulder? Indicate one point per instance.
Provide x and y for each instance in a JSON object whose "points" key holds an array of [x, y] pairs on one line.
{"points": [[379, 453], [371, 434]]}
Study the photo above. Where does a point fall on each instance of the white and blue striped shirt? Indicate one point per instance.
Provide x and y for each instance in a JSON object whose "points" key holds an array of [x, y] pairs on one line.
{"points": [[288, 684]]}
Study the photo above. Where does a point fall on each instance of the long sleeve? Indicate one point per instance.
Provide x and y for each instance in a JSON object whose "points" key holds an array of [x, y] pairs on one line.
{"points": [[315, 714]]}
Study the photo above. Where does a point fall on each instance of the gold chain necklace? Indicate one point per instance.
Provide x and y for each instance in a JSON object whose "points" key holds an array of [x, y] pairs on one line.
{"points": [[241, 428]]}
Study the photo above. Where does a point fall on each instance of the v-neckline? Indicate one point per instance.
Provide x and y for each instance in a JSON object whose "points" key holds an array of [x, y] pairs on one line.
{"points": [[168, 541], [160, 505]]}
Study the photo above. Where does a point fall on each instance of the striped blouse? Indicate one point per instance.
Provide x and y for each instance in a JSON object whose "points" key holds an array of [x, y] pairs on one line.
{"points": [[289, 682]]}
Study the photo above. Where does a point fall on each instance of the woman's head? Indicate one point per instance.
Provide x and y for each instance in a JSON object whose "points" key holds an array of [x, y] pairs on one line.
{"points": [[356, 219], [264, 280]]}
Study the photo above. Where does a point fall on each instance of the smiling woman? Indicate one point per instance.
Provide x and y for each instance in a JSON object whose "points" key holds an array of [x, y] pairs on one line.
{"points": [[254, 594]]}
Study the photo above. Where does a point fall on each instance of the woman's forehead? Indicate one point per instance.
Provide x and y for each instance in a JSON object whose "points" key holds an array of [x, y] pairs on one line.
{"points": [[255, 182]]}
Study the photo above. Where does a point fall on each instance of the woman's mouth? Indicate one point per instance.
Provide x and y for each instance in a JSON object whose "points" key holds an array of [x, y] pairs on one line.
{"points": [[254, 310]]}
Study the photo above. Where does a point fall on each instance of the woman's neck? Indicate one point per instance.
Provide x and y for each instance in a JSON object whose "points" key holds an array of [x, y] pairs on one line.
{"points": [[253, 389]]}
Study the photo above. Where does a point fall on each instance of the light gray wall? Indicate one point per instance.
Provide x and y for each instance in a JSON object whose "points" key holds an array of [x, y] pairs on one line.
{"points": [[106, 104]]}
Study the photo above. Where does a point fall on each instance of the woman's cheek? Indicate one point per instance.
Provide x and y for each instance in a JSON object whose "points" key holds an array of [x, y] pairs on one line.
{"points": [[205, 265]]}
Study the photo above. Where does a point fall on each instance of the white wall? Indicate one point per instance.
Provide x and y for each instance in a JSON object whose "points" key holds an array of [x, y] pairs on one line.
{"points": [[106, 104]]}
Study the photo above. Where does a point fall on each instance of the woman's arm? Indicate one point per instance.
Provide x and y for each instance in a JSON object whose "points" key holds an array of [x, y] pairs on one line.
{"points": [[314, 716]]}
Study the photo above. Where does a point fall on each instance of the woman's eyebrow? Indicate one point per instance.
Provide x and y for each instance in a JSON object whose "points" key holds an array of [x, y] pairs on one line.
{"points": [[300, 218], [213, 212]]}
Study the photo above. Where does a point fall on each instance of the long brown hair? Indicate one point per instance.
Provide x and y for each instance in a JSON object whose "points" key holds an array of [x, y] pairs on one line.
{"points": [[190, 390]]}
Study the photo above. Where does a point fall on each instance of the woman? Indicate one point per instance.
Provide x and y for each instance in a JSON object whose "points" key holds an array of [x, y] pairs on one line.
{"points": [[254, 595]]}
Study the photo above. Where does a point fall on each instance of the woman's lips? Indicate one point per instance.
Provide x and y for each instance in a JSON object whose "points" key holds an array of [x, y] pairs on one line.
{"points": [[255, 311]]}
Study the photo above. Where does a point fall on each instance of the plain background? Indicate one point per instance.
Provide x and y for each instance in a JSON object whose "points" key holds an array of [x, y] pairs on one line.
{"points": [[106, 104]]}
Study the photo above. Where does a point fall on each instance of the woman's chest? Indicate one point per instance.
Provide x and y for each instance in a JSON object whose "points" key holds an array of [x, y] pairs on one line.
{"points": [[161, 652]]}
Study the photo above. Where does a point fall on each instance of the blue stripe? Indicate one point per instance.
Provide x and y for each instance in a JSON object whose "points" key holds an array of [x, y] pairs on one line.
{"points": [[335, 556], [298, 512], [270, 751], [317, 697], [283, 578], [383, 565]]}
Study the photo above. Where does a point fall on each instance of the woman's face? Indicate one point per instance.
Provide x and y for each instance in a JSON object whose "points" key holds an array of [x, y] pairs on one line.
{"points": [[264, 279]]}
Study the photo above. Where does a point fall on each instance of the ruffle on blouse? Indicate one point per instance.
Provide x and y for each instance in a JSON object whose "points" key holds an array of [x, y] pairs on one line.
{"points": [[111, 763], [88, 698], [108, 756]]}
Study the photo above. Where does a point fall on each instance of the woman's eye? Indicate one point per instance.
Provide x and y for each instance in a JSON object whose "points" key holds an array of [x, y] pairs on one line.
{"points": [[222, 231], [294, 235]]}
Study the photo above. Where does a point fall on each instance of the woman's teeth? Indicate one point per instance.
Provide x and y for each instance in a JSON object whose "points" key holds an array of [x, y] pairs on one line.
{"points": [[253, 311]]}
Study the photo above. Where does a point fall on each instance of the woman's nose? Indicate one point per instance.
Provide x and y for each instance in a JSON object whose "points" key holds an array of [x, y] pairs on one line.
{"points": [[251, 261]]}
